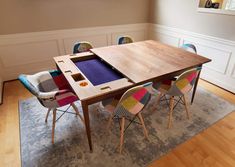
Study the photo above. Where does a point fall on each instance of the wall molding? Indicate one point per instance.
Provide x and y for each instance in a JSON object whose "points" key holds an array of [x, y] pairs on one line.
{"points": [[34, 51], [222, 52], [172, 30]]}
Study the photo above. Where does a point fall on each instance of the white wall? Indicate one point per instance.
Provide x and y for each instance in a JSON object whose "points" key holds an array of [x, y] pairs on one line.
{"points": [[183, 14], [21, 16]]}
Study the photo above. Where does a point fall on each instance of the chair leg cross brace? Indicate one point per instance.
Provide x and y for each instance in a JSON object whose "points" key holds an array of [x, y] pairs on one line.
{"points": [[182, 100], [123, 129], [55, 120]]}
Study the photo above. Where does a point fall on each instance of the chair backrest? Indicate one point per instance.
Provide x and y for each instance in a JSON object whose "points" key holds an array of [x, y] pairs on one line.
{"points": [[80, 47], [189, 47], [40, 82], [133, 100], [125, 40], [47, 86], [184, 82]]}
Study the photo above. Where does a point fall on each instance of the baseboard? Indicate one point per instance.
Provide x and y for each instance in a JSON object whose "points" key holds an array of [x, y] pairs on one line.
{"points": [[32, 52], [221, 71]]}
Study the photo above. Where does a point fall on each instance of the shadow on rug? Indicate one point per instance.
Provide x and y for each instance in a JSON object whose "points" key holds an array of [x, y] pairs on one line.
{"points": [[71, 146]]}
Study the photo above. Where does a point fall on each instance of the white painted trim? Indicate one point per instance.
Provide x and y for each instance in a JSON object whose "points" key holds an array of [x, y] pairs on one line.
{"points": [[34, 51], [4, 39], [160, 28], [216, 11], [220, 83]]}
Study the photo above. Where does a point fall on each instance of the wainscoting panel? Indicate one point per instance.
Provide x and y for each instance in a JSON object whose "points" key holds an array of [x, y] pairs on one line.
{"points": [[167, 39], [233, 72], [220, 57], [28, 53], [33, 52], [222, 52]]}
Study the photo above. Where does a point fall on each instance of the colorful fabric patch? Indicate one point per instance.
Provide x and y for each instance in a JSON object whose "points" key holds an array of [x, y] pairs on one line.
{"points": [[137, 108], [192, 76], [139, 94], [129, 103], [182, 83]]}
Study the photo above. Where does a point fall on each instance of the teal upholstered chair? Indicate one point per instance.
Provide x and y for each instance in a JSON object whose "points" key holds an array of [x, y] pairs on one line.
{"points": [[52, 90], [83, 46], [125, 40], [129, 107], [177, 88], [189, 47]]}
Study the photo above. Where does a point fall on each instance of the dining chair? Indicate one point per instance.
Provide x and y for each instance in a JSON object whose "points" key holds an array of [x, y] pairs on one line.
{"points": [[189, 47], [129, 107], [83, 46], [177, 88], [53, 91], [125, 40]]}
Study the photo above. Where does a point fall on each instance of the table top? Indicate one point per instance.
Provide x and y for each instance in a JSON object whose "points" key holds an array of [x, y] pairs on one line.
{"points": [[146, 60], [138, 62]]}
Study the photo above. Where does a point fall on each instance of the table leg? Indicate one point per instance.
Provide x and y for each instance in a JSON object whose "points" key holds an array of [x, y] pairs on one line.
{"points": [[87, 124], [195, 87]]}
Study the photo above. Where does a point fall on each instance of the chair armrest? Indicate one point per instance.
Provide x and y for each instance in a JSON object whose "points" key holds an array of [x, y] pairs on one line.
{"points": [[47, 95], [52, 95]]}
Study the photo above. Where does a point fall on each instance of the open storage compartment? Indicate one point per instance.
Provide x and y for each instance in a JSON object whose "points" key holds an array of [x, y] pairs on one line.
{"points": [[95, 70]]}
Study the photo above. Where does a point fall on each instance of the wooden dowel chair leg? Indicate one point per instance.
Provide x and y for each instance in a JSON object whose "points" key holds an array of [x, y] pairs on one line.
{"points": [[110, 122], [122, 134], [53, 126], [171, 112], [77, 112], [47, 114], [186, 107], [143, 125], [159, 97]]}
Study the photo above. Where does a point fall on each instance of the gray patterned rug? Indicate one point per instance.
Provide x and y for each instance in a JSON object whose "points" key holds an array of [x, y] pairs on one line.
{"points": [[71, 147]]}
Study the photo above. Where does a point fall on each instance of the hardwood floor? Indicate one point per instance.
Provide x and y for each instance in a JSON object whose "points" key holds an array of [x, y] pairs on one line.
{"points": [[214, 147]]}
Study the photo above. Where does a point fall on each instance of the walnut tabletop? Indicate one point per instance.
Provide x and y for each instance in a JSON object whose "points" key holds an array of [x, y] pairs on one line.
{"points": [[147, 60]]}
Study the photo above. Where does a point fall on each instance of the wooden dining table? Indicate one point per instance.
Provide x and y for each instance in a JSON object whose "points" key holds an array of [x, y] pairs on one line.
{"points": [[109, 71]]}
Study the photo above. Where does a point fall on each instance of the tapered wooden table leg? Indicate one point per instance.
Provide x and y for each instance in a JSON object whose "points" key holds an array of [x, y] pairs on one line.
{"points": [[171, 112], [87, 124], [195, 86]]}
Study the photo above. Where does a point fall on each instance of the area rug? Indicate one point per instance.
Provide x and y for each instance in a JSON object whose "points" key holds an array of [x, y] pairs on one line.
{"points": [[71, 146]]}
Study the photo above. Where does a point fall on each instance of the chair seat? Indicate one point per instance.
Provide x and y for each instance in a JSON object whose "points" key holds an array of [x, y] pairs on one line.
{"points": [[110, 104], [65, 94], [163, 86]]}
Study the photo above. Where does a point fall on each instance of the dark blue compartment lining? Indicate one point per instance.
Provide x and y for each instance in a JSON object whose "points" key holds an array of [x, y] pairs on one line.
{"points": [[97, 71]]}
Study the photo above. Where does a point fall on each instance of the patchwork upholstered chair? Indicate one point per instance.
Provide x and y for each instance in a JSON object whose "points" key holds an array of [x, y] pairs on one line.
{"points": [[177, 88], [52, 90], [189, 47], [125, 40], [129, 107], [80, 47]]}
